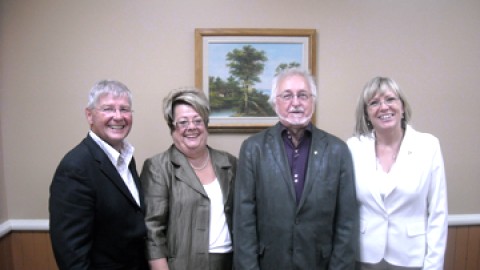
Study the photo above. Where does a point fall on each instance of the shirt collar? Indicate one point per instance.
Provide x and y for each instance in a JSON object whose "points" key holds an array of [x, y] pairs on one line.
{"points": [[126, 153], [284, 130]]}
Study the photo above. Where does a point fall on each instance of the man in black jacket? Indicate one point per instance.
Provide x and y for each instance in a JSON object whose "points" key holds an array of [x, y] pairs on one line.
{"points": [[96, 203]]}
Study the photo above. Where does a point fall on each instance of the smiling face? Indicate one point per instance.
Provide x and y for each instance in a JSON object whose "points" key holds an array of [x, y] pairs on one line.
{"points": [[191, 138], [385, 111], [296, 110], [111, 119]]}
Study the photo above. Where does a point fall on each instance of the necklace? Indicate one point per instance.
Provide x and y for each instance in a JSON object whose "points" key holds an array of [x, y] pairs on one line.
{"points": [[204, 165]]}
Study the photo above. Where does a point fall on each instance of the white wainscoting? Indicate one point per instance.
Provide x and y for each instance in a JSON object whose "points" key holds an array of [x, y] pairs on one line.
{"points": [[42, 224], [23, 225]]}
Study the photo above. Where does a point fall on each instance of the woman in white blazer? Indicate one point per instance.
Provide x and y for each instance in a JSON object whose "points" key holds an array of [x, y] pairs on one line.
{"points": [[400, 182]]}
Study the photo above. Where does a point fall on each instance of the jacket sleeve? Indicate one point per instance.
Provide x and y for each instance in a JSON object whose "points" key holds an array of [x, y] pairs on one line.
{"points": [[245, 219], [155, 188], [346, 217], [71, 207], [437, 222]]}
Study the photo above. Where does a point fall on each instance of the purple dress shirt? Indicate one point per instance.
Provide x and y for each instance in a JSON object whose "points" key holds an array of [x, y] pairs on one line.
{"points": [[298, 158]]}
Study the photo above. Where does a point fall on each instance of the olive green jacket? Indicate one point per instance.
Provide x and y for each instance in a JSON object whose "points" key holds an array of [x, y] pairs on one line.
{"points": [[178, 208]]}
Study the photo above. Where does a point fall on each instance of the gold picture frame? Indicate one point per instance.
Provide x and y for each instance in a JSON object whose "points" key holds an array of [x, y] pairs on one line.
{"points": [[221, 54]]}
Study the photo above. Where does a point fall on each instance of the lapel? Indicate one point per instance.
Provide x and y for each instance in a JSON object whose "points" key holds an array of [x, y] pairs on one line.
{"points": [[109, 170], [221, 166], [276, 151], [133, 169], [316, 167], [403, 163], [369, 160], [401, 166], [183, 172], [407, 149]]}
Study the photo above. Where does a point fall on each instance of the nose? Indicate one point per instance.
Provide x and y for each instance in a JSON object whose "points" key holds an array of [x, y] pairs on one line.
{"points": [[117, 114], [295, 99], [383, 104]]}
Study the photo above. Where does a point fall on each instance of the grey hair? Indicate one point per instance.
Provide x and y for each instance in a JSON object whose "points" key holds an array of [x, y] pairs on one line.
{"points": [[377, 85], [288, 72], [189, 96], [114, 88]]}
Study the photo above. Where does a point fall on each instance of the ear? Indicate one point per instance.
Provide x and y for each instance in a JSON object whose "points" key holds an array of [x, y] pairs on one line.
{"points": [[89, 116]]}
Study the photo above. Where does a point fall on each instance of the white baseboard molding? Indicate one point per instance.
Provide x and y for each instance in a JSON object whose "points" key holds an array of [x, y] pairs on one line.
{"points": [[42, 224], [23, 225], [464, 220]]}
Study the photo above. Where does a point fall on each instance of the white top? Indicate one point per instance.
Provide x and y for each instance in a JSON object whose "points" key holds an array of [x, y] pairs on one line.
{"points": [[219, 236], [120, 161], [405, 221], [385, 181]]}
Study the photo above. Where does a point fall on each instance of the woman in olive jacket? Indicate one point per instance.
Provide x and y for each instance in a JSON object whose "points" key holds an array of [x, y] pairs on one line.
{"points": [[188, 192]]}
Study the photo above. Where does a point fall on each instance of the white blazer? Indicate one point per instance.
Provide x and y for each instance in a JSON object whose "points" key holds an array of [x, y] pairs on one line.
{"points": [[409, 226]]}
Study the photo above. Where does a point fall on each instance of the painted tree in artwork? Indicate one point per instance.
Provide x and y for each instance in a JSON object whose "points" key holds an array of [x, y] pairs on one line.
{"points": [[246, 65], [285, 66]]}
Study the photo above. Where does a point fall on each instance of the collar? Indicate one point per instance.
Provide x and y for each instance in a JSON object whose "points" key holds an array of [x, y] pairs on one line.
{"points": [[284, 130], [125, 154]]}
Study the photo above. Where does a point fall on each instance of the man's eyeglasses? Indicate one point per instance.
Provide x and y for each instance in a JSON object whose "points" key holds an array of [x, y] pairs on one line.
{"points": [[387, 101], [288, 96], [184, 123], [112, 110]]}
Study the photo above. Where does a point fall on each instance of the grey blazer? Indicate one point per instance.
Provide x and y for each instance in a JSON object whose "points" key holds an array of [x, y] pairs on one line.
{"points": [[178, 208], [270, 230]]}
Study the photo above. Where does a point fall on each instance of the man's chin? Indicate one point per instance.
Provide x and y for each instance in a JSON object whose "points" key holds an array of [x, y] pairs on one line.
{"points": [[297, 123]]}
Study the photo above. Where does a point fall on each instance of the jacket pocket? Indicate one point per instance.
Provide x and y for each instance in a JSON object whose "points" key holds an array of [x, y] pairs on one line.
{"points": [[416, 229]]}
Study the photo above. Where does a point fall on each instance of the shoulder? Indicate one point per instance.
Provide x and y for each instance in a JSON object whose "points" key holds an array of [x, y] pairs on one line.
{"points": [[422, 135], [78, 166], [79, 156], [156, 166], [319, 135], [267, 133], [223, 159], [417, 138], [359, 141], [216, 153], [268, 136], [160, 158]]}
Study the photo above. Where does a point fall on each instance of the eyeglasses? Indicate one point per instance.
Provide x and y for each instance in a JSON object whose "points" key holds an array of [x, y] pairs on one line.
{"points": [[112, 110], [288, 96], [184, 123], [387, 101]]}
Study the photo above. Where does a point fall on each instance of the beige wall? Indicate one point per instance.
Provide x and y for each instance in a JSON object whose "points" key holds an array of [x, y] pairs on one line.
{"points": [[3, 193], [52, 52]]}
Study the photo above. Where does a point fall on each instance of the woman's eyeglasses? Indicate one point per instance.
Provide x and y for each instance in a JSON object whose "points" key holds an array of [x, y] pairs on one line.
{"points": [[184, 123]]}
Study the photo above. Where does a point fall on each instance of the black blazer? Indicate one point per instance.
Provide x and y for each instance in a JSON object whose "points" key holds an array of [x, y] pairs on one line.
{"points": [[94, 221]]}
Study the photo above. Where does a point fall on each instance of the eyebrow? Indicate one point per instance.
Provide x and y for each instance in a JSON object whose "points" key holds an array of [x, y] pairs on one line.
{"points": [[290, 90]]}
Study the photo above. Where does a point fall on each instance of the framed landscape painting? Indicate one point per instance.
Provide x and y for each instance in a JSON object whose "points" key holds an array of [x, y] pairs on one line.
{"points": [[235, 68]]}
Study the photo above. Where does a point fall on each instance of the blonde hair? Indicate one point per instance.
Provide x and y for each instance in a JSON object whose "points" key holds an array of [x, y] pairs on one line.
{"points": [[189, 96], [377, 85]]}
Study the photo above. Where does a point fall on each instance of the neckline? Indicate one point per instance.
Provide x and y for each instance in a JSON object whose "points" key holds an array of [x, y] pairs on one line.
{"points": [[204, 165]]}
